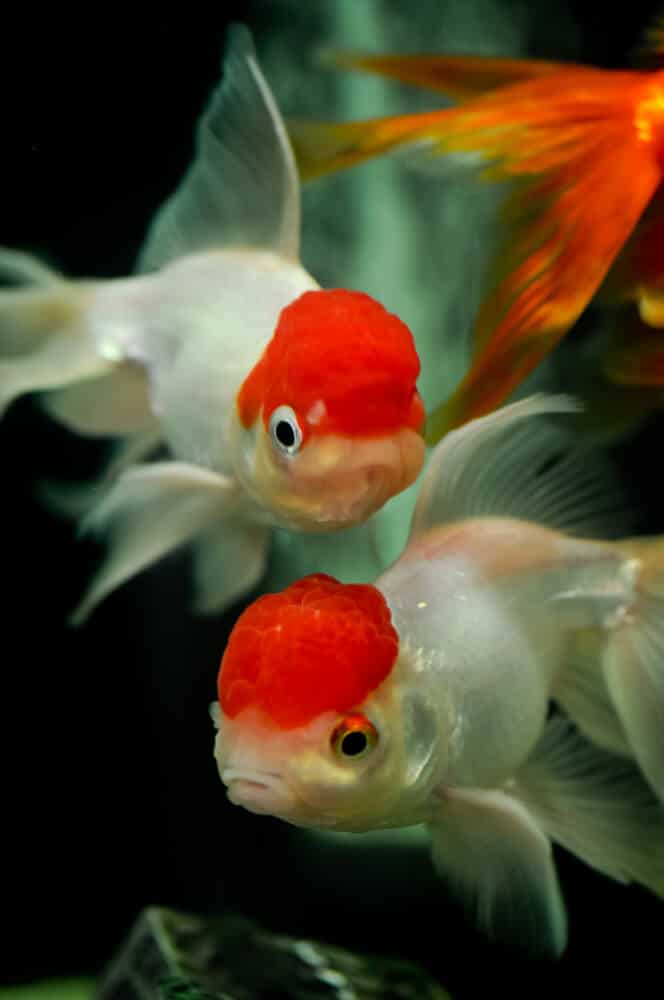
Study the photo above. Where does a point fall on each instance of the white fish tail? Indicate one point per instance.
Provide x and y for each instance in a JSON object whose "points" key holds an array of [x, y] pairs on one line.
{"points": [[595, 804], [43, 340], [633, 661]]}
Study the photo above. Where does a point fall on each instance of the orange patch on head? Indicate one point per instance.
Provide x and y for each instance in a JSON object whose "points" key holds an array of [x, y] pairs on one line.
{"points": [[342, 349], [318, 646]]}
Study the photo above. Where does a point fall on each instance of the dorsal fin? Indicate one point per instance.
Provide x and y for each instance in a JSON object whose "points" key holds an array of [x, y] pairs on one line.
{"points": [[242, 188], [512, 464]]}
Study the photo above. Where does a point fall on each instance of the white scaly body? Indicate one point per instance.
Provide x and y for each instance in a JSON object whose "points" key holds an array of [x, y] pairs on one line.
{"points": [[502, 602], [160, 358]]}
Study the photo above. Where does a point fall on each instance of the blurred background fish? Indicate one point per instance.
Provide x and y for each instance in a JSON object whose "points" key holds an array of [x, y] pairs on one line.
{"points": [[585, 150]]}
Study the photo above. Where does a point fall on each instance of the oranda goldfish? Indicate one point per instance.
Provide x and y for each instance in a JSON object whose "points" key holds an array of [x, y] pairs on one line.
{"points": [[280, 403], [584, 150], [424, 697]]}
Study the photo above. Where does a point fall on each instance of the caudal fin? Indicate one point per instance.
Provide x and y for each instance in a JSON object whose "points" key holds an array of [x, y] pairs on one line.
{"points": [[458, 77], [634, 662]]}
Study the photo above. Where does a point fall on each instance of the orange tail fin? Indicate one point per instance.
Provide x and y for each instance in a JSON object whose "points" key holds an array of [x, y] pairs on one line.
{"points": [[578, 142], [459, 77], [586, 179], [326, 147]]}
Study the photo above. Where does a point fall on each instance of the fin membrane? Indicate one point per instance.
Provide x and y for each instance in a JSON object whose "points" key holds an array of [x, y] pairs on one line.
{"points": [[242, 189]]}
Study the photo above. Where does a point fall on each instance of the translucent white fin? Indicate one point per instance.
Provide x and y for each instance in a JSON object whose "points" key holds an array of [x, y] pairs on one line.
{"points": [[61, 359], [512, 464], [75, 500], [634, 667], [115, 403], [595, 804], [229, 559], [20, 268], [498, 862], [242, 188], [148, 512], [43, 340], [580, 688]]}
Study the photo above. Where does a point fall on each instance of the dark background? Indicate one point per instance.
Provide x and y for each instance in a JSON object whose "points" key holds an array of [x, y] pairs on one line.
{"points": [[110, 795]]}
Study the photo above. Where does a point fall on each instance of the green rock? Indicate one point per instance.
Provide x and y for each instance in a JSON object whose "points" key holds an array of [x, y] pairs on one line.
{"points": [[177, 956]]}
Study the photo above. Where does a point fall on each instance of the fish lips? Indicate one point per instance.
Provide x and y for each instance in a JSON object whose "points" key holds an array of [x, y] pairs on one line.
{"points": [[262, 792]]}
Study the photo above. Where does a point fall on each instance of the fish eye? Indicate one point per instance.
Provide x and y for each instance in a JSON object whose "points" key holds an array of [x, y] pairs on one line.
{"points": [[354, 737], [285, 430]]}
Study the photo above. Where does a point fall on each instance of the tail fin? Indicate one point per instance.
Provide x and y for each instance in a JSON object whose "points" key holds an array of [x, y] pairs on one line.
{"points": [[634, 662], [326, 147], [458, 77], [43, 343]]}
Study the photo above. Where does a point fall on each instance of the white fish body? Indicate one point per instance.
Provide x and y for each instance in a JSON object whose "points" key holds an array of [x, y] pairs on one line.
{"points": [[496, 615], [501, 602], [169, 323], [160, 358]]}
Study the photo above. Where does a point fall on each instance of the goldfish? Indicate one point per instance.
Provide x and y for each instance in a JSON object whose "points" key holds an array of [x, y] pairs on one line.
{"points": [[278, 403], [426, 696], [582, 150]]}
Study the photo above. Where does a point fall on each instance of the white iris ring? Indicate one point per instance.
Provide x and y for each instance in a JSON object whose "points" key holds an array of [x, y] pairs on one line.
{"points": [[285, 431]]}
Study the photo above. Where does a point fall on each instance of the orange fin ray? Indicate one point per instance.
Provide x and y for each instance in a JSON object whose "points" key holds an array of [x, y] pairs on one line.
{"points": [[566, 228], [459, 77], [327, 147], [522, 128]]}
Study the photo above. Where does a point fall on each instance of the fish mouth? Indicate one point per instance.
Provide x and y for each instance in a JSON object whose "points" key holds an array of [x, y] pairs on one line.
{"points": [[258, 791]]}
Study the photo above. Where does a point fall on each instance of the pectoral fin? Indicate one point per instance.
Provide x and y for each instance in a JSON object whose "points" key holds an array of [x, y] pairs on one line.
{"points": [[148, 512], [498, 862], [76, 500], [229, 559]]}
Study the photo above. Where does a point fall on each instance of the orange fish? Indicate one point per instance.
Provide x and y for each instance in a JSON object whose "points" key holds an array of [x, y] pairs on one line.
{"points": [[584, 150]]}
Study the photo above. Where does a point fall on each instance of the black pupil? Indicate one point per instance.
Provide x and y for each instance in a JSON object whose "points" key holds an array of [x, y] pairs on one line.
{"points": [[285, 434], [354, 743]]}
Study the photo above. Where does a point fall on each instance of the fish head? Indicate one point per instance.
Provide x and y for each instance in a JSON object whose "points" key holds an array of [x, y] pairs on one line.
{"points": [[328, 425], [315, 723]]}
